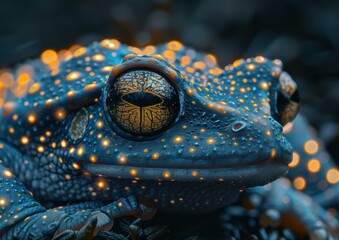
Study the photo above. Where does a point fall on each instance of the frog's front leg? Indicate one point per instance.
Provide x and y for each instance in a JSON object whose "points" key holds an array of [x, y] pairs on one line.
{"points": [[22, 217], [283, 206]]}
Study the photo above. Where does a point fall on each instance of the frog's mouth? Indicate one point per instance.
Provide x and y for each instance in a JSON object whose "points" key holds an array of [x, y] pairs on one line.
{"points": [[256, 174]]}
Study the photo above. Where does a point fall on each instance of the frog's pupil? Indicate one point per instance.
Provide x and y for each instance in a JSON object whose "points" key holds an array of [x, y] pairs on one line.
{"points": [[142, 99]]}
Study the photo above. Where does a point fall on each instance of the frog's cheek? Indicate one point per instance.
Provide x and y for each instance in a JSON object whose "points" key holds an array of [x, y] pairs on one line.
{"points": [[79, 124]]}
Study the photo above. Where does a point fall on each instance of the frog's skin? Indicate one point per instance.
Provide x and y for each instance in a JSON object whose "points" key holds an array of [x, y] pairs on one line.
{"points": [[207, 134]]}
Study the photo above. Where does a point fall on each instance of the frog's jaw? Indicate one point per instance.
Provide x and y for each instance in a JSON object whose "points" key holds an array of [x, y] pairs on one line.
{"points": [[249, 176]]}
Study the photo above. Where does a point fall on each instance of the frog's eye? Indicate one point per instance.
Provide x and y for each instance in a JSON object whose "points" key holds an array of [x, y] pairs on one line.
{"points": [[141, 103], [288, 99]]}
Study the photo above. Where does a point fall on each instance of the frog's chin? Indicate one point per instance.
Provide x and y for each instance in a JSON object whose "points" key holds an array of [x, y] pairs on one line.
{"points": [[253, 175]]}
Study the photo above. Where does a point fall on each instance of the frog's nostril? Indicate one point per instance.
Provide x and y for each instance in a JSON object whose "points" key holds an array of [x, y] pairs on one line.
{"points": [[238, 126]]}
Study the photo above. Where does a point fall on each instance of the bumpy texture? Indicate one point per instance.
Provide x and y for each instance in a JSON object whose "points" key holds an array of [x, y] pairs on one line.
{"points": [[195, 136]]}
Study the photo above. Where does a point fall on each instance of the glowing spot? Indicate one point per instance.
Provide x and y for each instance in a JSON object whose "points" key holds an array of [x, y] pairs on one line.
{"points": [[268, 133], [63, 143], [76, 166], [41, 149], [311, 147], [24, 140], [105, 142], [73, 76], [122, 158], [264, 85], [167, 174], [31, 118], [119, 204], [313, 165], [251, 67], [155, 155], [34, 88], [199, 65], [133, 172], [295, 160], [60, 114], [174, 45], [107, 69], [101, 184], [98, 57], [332, 176], [80, 151], [110, 43], [237, 63], [235, 144], [299, 183], [49, 57], [2, 202], [211, 141], [178, 139], [100, 124], [273, 153], [194, 173], [259, 59], [93, 158], [79, 52], [192, 150], [7, 173]]}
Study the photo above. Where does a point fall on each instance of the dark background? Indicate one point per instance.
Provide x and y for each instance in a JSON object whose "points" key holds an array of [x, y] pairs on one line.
{"points": [[303, 34]]}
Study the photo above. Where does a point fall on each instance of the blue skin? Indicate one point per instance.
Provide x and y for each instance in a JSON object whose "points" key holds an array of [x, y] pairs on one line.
{"points": [[206, 135]]}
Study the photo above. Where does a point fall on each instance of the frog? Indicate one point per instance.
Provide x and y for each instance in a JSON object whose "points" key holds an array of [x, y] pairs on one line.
{"points": [[106, 131]]}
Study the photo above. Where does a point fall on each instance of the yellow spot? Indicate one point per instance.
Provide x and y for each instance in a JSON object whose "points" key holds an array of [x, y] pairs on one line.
{"points": [[167, 174], [101, 184], [311, 147], [332, 176], [119, 204], [133, 172], [237, 63], [107, 69], [174, 45], [11, 130], [60, 114], [105, 142], [211, 141], [41, 149], [110, 43], [178, 139], [98, 57], [93, 158], [8, 173], [155, 155], [299, 183], [25, 140], [273, 153], [80, 151], [79, 52], [259, 59], [76, 166], [100, 124], [268, 133], [2, 202], [44, 217], [122, 158], [63, 143], [235, 144], [251, 67], [288, 128], [34, 88], [194, 173], [68, 177], [49, 57], [73, 76], [199, 65], [313, 165], [31, 118], [264, 85], [192, 150]]}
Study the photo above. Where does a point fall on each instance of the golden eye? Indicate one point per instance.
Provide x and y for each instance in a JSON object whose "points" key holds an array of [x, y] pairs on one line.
{"points": [[142, 103]]}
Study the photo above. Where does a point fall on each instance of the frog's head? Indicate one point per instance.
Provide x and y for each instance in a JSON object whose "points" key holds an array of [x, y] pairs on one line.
{"points": [[165, 116], [164, 121]]}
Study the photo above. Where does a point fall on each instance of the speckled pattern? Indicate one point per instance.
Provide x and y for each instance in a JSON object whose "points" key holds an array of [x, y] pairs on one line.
{"points": [[60, 146]]}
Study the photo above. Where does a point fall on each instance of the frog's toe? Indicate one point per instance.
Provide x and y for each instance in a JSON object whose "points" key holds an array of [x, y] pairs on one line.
{"points": [[282, 206]]}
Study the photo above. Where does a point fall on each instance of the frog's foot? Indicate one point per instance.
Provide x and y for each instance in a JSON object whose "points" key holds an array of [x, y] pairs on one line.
{"points": [[282, 206], [83, 224]]}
